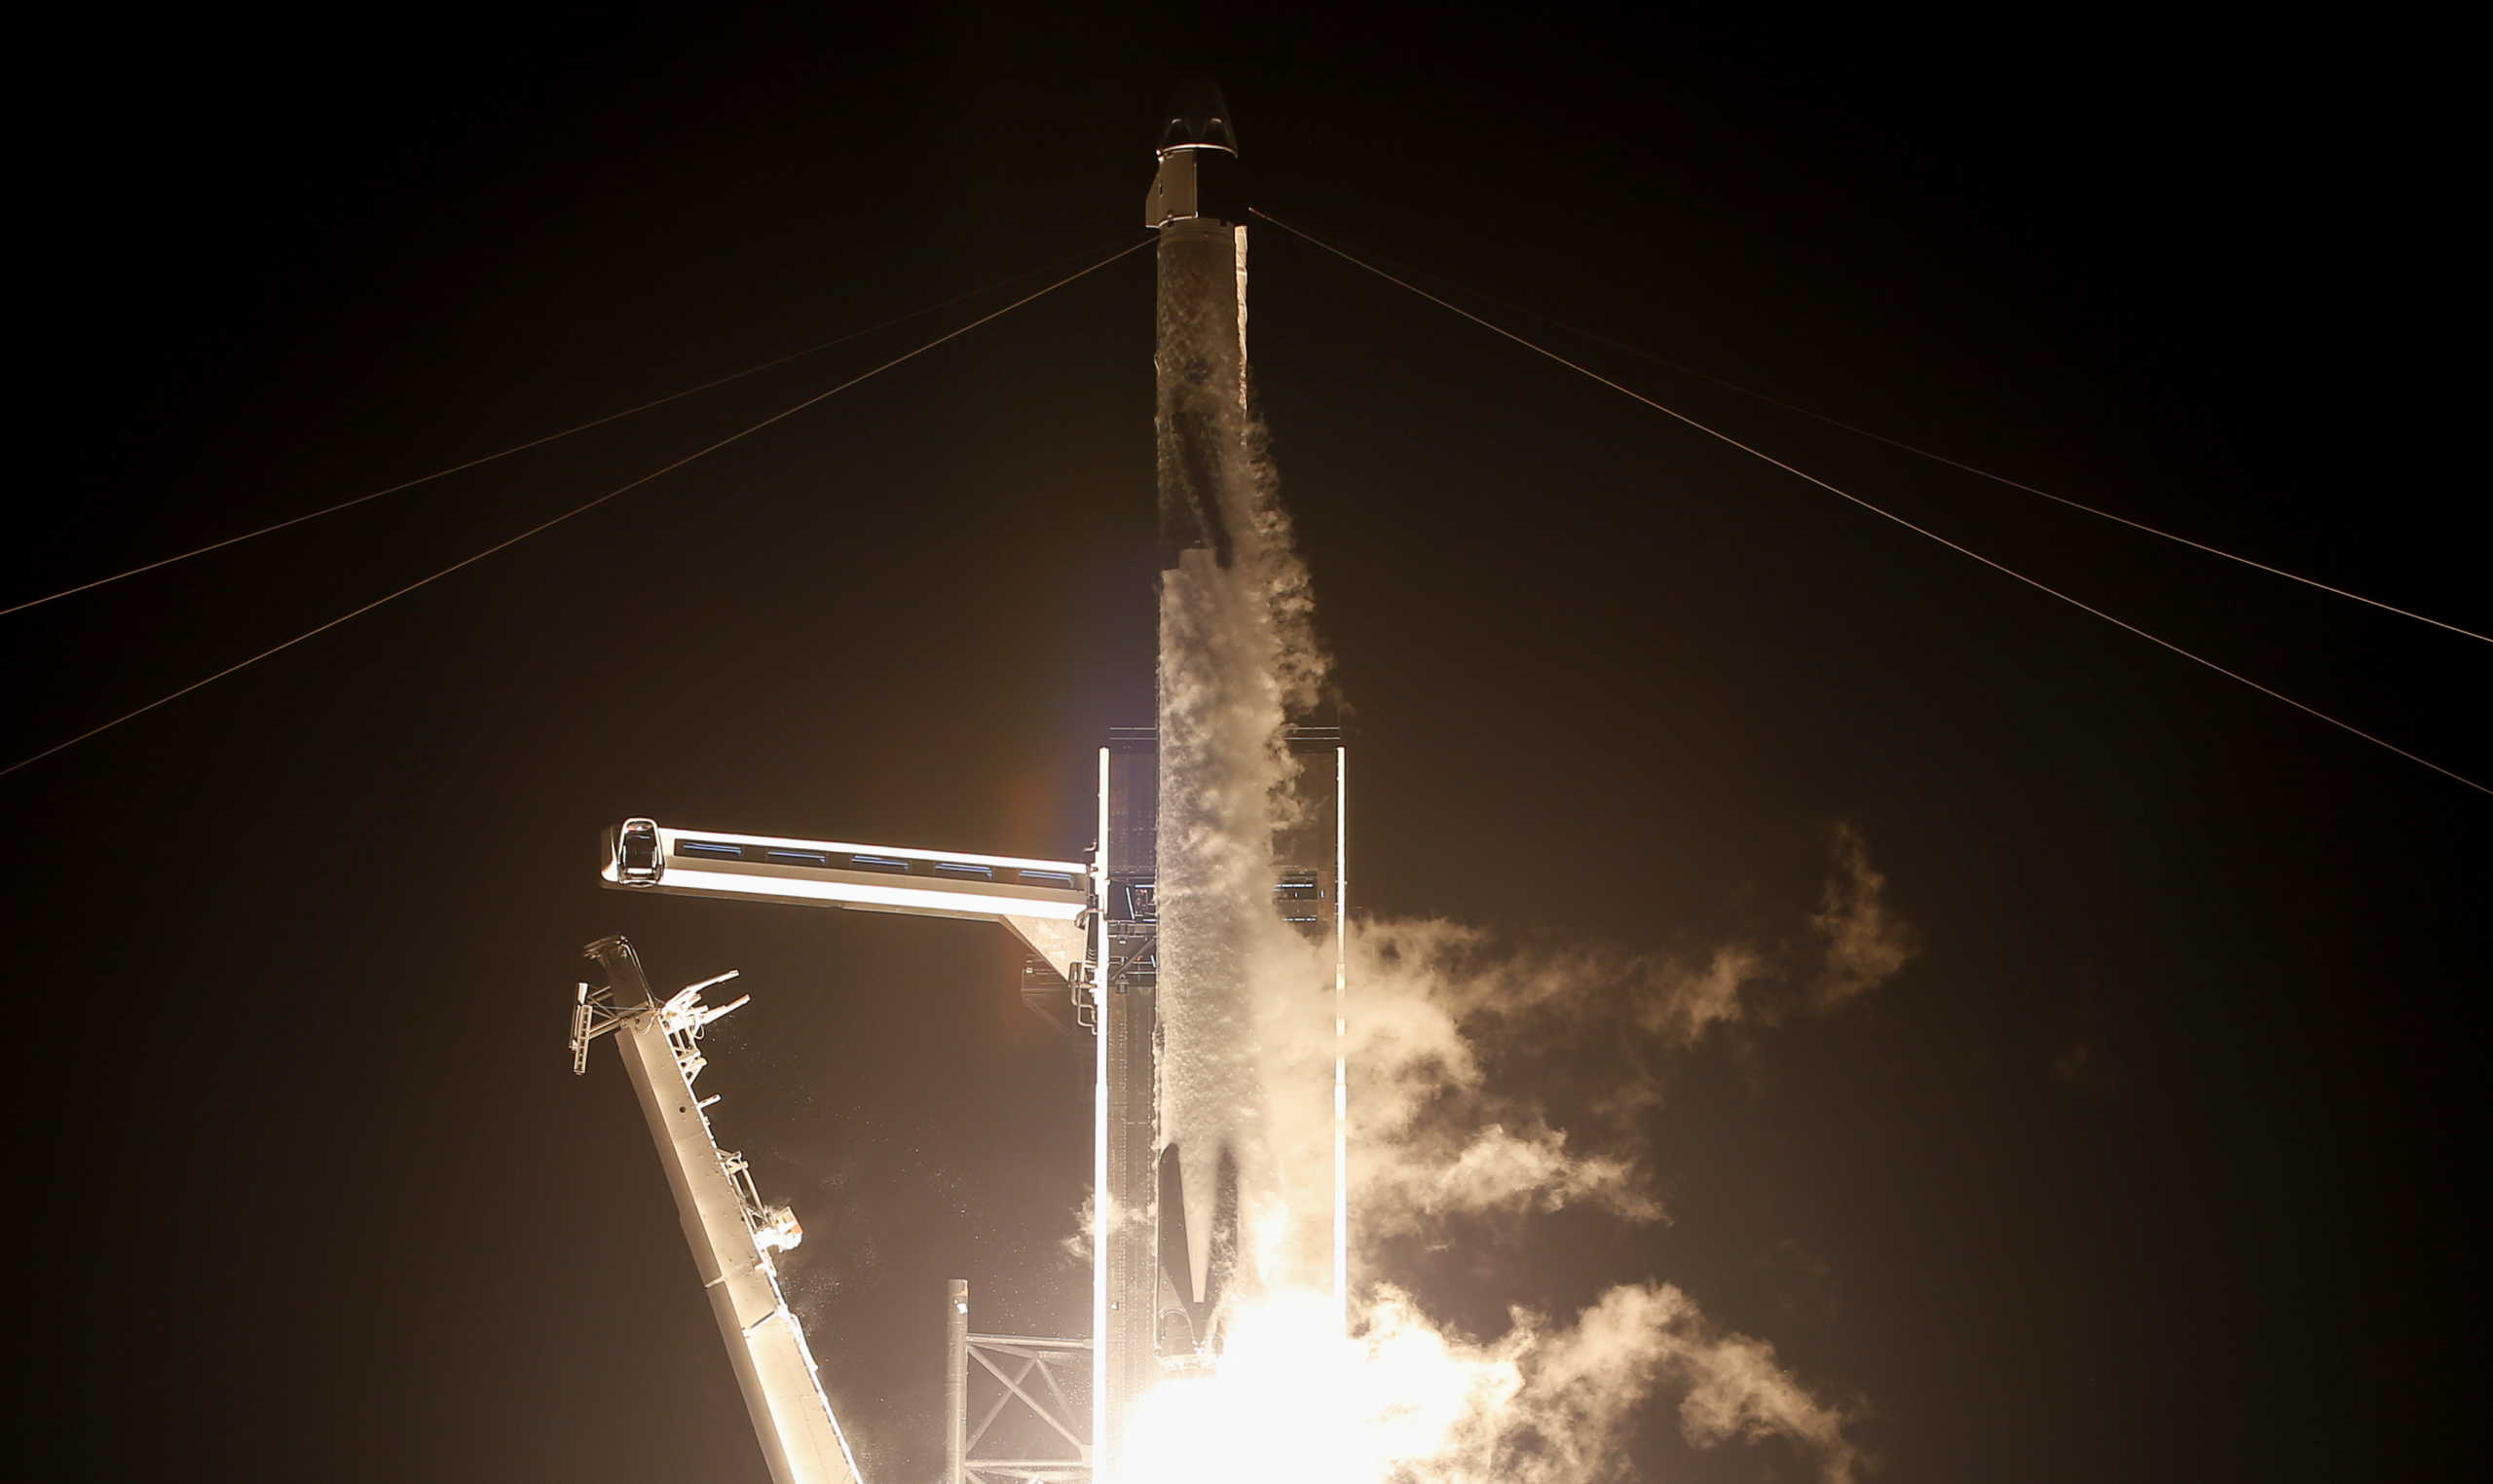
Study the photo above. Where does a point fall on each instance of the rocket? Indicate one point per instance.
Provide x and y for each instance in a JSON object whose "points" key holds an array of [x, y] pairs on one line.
{"points": [[1170, 1002], [1201, 421], [1234, 865]]}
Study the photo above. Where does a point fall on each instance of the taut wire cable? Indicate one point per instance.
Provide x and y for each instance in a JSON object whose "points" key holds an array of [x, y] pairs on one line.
{"points": [[521, 448], [581, 508], [1799, 474], [1917, 451]]}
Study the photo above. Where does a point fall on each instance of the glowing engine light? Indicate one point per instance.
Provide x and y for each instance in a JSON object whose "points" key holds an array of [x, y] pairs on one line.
{"points": [[1295, 1398]]}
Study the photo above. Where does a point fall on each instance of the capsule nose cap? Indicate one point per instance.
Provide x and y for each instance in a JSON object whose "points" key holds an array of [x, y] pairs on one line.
{"points": [[1199, 116]]}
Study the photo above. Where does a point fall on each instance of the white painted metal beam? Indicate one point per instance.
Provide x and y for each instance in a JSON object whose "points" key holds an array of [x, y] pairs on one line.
{"points": [[731, 1237], [1042, 901]]}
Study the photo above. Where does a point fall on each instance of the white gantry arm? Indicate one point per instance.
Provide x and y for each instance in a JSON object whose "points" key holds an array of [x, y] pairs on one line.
{"points": [[1043, 902]]}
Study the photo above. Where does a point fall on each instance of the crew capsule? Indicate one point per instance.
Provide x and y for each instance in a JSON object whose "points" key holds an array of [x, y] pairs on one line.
{"points": [[1197, 153]]}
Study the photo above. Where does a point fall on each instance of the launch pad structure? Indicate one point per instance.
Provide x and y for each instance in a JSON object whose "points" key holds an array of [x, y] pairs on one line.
{"points": [[732, 1234], [1094, 931]]}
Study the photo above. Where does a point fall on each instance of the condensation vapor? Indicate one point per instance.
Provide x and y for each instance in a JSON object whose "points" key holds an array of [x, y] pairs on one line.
{"points": [[1238, 658], [1246, 1065]]}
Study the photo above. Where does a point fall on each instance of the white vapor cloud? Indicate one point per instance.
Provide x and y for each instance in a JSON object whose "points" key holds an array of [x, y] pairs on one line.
{"points": [[1865, 943], [1442, 1140], [1436, 1006], [1444, 1134], [1404, 1400]]}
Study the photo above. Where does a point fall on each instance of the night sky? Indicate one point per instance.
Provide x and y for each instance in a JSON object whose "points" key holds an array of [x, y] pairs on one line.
{"points": [[2154, 1165]]}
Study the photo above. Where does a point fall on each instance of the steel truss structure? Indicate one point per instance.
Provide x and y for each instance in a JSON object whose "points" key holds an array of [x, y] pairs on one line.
{"points": [[1033, 1379]]}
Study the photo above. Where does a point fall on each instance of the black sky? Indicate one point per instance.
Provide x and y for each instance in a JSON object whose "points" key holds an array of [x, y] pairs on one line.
{"points": [[2155, 1166]]}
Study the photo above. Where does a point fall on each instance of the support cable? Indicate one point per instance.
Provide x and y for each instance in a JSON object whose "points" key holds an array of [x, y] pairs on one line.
{"points": [[583, 508], [521, 448], [1799, 474], [1937, 458]]}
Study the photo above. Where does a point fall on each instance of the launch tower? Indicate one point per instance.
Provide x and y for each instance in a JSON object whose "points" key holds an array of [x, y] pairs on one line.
{"points": [[1166, 1215]]}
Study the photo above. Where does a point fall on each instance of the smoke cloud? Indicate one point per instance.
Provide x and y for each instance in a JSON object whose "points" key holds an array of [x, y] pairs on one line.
{"points": [[1440, 1014], [1866, 944], [1438, 1010], [1404, 1400]]}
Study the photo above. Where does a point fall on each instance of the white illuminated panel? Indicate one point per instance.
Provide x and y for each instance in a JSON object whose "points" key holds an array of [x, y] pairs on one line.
{"points": [[1104, 1211], [723, 878], [917, 885]]}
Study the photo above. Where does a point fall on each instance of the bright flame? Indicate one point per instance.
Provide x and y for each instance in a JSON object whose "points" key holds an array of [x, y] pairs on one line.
{"points": [[1295, 1399], [1292, 1400]]}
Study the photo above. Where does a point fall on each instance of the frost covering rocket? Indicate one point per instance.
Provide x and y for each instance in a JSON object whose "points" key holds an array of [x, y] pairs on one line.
{"points": [[1237, 666]]}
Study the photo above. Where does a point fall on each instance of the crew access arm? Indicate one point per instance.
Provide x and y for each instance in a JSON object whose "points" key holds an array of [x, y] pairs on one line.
{"points": [[1046, 903]]}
